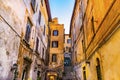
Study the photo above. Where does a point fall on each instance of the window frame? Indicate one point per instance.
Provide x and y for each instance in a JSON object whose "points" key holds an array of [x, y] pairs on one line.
{"points": [[55, 42], [54, 57], [28, 30], [55, 34], [39, 18], [84, 73], [37, 44], [98, 69], [68, 41], [44, 30], [43, 52]]}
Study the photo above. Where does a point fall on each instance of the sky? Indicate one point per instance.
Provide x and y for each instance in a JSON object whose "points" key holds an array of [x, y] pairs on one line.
{"points": [[62, 9]]}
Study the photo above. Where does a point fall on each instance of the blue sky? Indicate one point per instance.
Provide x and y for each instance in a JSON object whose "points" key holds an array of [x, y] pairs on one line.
{"points": [[63, 10]]}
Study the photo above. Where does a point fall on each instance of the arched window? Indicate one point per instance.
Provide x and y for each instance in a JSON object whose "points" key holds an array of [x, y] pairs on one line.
{"points": [[98, 69], [37, 44], [27, 35], [28, 30]]}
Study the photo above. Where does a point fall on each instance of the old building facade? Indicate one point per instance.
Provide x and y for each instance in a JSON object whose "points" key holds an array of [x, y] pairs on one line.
{"points": [[67, 74], [24, 37], [94, 33], [56, 50], [67, 50]]}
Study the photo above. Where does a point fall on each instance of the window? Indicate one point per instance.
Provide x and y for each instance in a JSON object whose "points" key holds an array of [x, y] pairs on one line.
{"points": [[92, 21], [37, 44], [67, 61], [33, 4], [54, 58], [98, 69], [28, 30], [54, 44], [42, 2], [68, 41], [39, 17], [84, 73], [55, 32], [42, 53], [83, 46], [44, 31], [38, 75], [69, 49]]}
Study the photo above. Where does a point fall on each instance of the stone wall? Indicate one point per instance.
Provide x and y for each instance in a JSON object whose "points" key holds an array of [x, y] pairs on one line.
{"points": [[101, 22], [10, 29]]}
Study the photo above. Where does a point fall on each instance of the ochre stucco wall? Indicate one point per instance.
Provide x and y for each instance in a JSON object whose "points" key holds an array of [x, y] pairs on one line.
{"points": [[110, 53]]}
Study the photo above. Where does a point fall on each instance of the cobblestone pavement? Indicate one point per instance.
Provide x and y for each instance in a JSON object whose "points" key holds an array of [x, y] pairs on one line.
{"points": [[68, 74]]}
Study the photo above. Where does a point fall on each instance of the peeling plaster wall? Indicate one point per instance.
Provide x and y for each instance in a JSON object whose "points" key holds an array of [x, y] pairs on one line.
{"points": [[12, 24], [11, 17], [9, 45], [111, 58]]}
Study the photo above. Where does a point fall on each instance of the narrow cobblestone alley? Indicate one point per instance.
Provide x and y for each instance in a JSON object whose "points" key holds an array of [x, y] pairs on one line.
{"points": [[68, 74]]}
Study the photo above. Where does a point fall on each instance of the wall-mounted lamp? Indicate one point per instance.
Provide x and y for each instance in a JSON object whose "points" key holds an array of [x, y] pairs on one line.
{"points": [[88, 62], [14, 66]]}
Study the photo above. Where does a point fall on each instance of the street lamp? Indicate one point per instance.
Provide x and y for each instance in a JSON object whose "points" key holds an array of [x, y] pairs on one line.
{"points": [[14, 68]]}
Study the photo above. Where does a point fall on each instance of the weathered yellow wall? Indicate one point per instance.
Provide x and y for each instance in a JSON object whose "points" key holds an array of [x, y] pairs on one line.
{"points": [[96, 36], [110, 53], [60, 38], [109, 59], [92, 66]]}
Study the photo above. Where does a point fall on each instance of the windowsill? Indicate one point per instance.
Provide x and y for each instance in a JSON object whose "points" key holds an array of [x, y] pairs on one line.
{"points": [[54, 47], [26, 43], [53, 63]]}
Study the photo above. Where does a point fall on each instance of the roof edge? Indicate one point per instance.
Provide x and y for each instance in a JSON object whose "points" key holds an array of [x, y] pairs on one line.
{"points": [[48, 10], [72, 17]]}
